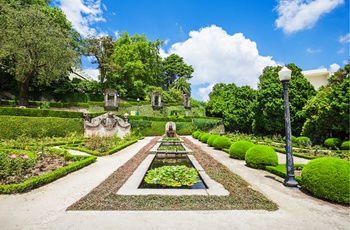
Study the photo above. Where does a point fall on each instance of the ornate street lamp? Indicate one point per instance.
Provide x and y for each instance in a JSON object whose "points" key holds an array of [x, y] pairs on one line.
{"points": [[285, 76], [138, 106]]}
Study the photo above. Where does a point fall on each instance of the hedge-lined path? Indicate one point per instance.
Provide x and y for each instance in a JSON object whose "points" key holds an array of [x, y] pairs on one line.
{"points": [[45, 207]]}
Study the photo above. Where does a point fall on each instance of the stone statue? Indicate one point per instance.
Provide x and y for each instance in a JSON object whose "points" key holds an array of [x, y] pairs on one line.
{"points": [[106, 125]]}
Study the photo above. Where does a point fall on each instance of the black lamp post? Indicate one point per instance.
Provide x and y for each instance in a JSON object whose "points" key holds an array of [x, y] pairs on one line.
{"points": [[138, 106], [285, 76]]}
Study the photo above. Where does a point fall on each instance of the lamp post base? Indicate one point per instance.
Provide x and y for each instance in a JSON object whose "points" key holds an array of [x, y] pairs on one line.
{"points": [[290, 182]]}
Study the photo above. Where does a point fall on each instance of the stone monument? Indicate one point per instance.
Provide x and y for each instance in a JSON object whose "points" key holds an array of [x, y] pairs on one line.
{"points": [[106, 125], [170, 129]]}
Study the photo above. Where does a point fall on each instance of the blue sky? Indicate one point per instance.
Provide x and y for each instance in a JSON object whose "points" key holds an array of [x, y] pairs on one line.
{"points": [[227, 41]]}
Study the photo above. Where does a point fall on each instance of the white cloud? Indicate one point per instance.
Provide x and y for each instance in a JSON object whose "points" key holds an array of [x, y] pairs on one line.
{"points": [[334, 67], [92, 72], [311, 51], [204, 92], [82, 14], [345, 38], [219, 57], [296, 15]]}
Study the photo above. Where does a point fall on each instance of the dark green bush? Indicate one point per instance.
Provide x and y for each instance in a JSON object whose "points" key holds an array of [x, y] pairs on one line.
{"points": [[302, 140], [345, 145], [222, 142], [239, 149], [328, 178], [205, 137], [183, 128], [11, 111], [195, 134], [205, 124], [260, 156], [333, 143], [294, 138], [211, 140], [13, 127]]}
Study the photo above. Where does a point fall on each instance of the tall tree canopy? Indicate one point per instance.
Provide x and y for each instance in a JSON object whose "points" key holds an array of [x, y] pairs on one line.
{"points": [[269, 111], [234, 104], [140, 64], [174, 68], [328, 112], [102, 48], [182, 85], [34, 46]]}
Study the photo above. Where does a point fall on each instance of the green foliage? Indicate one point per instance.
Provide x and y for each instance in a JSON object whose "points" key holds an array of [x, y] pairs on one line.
{"points": [[234, 104], [195, 134], [345, 145], [333, 143], [13, 127], [328, 113], [205, 124], [260, 156], [281, 170], [211, 140], [9, 111], [294, 139], [304, 141], [328, 178], [269, 110], [172, 176], [239, 149], [222, 142], [205, 137]]}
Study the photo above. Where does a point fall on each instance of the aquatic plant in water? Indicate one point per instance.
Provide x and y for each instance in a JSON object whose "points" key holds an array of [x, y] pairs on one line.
{"points": [[172, 176]]}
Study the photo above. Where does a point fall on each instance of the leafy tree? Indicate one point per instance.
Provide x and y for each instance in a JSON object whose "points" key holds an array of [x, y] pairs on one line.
{"points": [[101, 49], [174, 68], [181, 85], [234, 104], [328, 112], [139, 60], [269, 110], [34, 47]]}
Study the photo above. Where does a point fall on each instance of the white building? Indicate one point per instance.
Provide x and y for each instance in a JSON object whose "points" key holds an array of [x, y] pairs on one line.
{"points": [[317, 77]]}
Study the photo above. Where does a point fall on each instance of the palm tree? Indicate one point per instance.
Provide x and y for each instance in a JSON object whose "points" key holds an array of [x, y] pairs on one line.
{"points": [[182, 85]]}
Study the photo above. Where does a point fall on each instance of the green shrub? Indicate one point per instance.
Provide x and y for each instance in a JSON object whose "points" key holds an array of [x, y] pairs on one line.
{"points": [[195, 134], [294, 138], [345, 145], [333, 143], [200, 136], [211, 140], [205, 137], [205, 124], [13, 127], [222, 142], [239, 149], [28, 112], [260, 156], [328, 178], [302, 140]]}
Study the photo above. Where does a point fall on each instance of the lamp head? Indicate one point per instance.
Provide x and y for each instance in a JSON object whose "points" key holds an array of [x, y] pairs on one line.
{"points": [[285, 74]]}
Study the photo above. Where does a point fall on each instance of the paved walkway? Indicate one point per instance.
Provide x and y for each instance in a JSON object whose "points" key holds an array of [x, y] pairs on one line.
{"points": [[45, 207]]}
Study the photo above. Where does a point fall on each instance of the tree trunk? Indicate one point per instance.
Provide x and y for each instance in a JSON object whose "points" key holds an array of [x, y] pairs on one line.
{"points": [[23, 93]]}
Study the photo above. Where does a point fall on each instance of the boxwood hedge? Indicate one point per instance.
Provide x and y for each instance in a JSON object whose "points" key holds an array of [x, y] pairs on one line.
{"points": [[328, 178], [260, 156], [211, 139], [239, 149], [222, 142]]}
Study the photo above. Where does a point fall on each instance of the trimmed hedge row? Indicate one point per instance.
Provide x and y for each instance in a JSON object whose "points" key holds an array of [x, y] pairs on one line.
{"points": [[281, 171], [48, 177], [13, 127], [28, 112]]}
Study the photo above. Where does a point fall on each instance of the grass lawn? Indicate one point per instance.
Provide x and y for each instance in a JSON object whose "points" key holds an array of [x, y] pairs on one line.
{"points": [[241, 197]]}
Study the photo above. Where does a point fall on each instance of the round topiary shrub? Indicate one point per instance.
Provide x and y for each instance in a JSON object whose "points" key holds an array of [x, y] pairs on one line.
{"points": [[195, 134], [345, 145], [239, 149], [294, 138], [260, 156], [205, 137], [199, 136], [302, 140], [211, 140], [333, 143], [328, 178], [222, 142]]}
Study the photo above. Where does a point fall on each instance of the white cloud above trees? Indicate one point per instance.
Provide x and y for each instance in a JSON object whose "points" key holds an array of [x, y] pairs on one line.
{"points": [[297, 15]]}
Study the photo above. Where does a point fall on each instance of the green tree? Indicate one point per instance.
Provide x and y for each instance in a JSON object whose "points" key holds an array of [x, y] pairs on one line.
{"points": [[234, 104], [269, 110], [182, 85], [34, 47], [139, 60], [102, 48], [174, 68], [328, 112]]}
